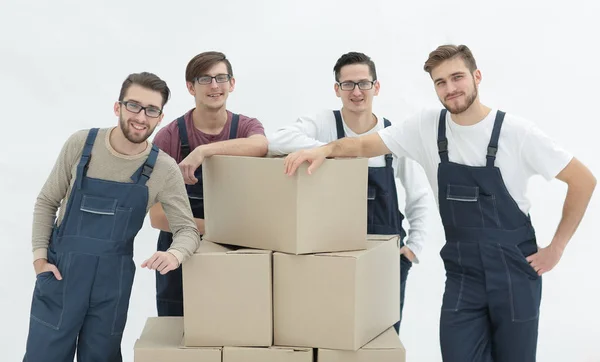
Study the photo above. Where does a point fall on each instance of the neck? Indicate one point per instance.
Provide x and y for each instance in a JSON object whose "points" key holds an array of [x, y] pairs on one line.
{"points": [[123, 146], [209, 120], [473, 115], [359, 122]]}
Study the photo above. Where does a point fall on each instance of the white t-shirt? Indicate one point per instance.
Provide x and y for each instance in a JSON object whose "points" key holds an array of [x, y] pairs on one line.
{"points": [[318, 129], [523, 149]]}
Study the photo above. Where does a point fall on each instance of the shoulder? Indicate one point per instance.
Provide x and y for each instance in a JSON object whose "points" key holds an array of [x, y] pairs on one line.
{"points": [[245, 119], [322, 119], [248, 125], [76, 140], [165, 167], [168, 130], [517, 124]]}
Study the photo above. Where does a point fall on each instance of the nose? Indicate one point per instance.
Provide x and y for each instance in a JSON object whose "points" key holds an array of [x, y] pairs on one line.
{"points": [[356, 91], [140, 116], [213, 83], [451, 88]]}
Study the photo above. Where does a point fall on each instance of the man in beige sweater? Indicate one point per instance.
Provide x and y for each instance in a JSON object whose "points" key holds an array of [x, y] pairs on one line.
{"points": [[102, 185]]}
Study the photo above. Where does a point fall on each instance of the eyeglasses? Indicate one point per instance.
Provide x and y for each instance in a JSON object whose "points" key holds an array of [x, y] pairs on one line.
{"points": [[207, 79], [362, 85], [150, 111]]}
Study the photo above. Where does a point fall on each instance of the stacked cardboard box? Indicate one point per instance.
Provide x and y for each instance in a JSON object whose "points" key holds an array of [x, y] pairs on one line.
{"points": [[285, 272]]}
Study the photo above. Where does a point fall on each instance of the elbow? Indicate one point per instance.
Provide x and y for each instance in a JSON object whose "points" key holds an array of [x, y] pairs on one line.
{"points": [[157, 222], [262, 147]]}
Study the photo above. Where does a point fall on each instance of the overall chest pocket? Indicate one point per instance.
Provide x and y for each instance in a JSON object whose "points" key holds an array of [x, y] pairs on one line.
{"points": [[101, 218], [470, 207]]}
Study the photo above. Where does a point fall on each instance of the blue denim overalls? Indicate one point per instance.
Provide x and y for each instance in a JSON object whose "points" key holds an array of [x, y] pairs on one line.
{"points": [[492, 297], [93, 250]]}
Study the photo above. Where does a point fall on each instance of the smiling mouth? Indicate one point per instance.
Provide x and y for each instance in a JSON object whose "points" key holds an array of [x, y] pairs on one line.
{"points": [[453, 97], [215, 95], [138, 127]]}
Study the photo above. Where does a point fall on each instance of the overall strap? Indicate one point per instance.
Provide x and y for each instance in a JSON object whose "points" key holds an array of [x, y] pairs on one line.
{"points": [[183, 137], [84, 161], [235, 120], [339, 124], [388, 157], [146, 169], [442, 141], [493, 146]]}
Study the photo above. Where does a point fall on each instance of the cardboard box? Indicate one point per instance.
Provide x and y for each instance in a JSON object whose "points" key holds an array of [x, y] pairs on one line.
{"points": [[227, 297], [387, 347], [249, 201], [271, 354], [336, 300], [161, 341]]}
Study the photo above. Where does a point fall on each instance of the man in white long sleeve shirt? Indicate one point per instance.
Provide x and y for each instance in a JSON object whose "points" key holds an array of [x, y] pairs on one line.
{"points": [[356, 85]]}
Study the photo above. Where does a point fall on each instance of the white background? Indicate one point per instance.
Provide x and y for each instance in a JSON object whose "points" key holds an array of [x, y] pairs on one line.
{"points": [[62, 64]]}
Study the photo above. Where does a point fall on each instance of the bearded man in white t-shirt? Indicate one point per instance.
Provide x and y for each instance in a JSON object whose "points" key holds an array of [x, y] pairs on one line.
{"points": [[356, 84], [479, 160]]}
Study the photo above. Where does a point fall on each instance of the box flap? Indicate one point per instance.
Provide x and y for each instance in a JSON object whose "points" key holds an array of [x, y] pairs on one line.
{"points": [[160, 332], [294, 349], [207, 247], [386, 340], [249, 251], [371, 243], [382, 237]]}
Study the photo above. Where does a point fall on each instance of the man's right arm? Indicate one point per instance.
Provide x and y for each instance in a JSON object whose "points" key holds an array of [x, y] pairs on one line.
{"points": [[402, 139], [158, 218], [52, 193], [364, 146], [300, 135]]}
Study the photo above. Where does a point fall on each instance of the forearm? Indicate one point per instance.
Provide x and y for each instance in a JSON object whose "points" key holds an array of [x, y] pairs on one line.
{"points": [[578, 196], [298, 136], [365, 146], [44, 215], [55, 189], [158, 220], [251, 146]]}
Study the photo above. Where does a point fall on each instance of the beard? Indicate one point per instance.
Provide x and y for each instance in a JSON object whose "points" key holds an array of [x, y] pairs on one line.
{"points": [[470, 98], [130, 133]]}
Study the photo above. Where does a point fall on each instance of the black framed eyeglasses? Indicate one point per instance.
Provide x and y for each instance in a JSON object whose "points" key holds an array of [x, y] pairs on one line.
{"points": [[362, 85], [150, 111], [207, 79]]}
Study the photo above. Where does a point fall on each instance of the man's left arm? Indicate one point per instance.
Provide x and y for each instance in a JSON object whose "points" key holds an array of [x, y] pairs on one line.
{"points": [[580, 187], [186, 237], [546, 158], [419, 199], [252, 142]]}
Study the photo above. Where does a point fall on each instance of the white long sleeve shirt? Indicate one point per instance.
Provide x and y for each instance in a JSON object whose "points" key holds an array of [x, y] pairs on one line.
{"points": [[319, 129]]}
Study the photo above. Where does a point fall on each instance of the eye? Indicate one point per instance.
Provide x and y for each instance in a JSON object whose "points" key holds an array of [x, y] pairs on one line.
{"points": [[153, 111]]}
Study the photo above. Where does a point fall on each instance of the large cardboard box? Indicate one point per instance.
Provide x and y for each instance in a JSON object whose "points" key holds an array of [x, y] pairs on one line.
{"points": [[271, 354], [227, 297], [336, 300], [249, 201], [161, 341], [386, 347]]}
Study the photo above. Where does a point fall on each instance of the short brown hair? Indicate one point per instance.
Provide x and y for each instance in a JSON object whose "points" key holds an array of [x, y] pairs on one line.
{"points": [[447, 52], [354, 58], [146, 80], [202, 62]]}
